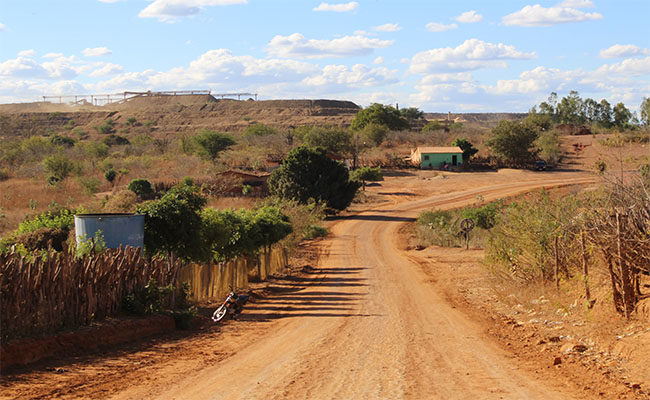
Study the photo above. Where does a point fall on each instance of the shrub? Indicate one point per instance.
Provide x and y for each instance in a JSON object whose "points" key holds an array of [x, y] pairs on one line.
{"points": [[90, 185], [433, 126], [314, 231], [484, 217], [122, 201], [438, 227], [309, 174], [260, 130], [513, 142], [334, 140], [374, 133], [41, 238], [173, 223], [59, 167], [364, 174], [148, 300], [96, 150], [381, 115], [115, 140], [106, 128], [64, 141], [141, 187], [110, 174], [130, 121], [57, 218], [211, 143]]}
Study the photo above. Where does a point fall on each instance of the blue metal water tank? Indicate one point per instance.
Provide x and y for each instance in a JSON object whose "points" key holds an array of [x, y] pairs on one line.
{"points": [[117, 229]]}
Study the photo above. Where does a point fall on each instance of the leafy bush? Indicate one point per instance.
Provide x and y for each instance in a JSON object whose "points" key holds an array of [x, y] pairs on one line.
{"points": [[438, 227], [211, 143], [115, 140], [90, 185], [513, 142], [106, 128], [110, 175], [467, 148], [64, 141], [374, 133], [433, 126], [130, 121], [61, 218], [96, 150], [364, 174], [381, 115], [59, 166], [122, 201], [148, 300], [314, 231], [173, 223], [484, 217], [141, 187], [41, 238], [334, 140], [260, 130], [309, 174]]}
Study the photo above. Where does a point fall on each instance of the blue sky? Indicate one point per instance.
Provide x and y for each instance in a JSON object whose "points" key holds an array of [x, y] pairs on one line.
{"points": [[463, 56]]}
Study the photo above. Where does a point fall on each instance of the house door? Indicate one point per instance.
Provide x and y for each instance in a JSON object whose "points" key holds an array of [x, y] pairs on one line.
{"points": [[454, 160]]}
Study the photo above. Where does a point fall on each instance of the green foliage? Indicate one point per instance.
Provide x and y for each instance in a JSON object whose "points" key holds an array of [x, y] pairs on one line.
{"points": [[131, 121], [56, 218], [141, 187], [374, 133], [148, 300], [467, 148], [90, 185], [622, 116], [106, 128], [64, 141], [364, 174], [381, 115], [513, 142], [334, 140], [36, 148], [88, 246], [95, 150], [110, 174], [548, 144], [115, 140], [485, 216], [173, 223], [644, 111], [433, 126], [211, 143], [313, 231], [309, 174], [411, 113], [538, 121], [522, 241], [438, 227], [59, 167], [260, 130]]}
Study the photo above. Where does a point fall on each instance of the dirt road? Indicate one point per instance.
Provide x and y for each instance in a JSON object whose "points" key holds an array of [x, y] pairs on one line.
{"points": [[367, 323]]}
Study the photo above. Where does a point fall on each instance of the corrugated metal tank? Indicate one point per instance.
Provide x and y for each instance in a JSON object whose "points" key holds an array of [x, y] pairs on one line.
{"points": [[117, 229]]}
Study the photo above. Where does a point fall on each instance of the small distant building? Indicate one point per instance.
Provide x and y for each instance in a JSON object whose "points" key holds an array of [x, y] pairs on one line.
{"points": [[437, 157]]}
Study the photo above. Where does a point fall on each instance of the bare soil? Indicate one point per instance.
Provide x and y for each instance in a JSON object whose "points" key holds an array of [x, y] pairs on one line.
{"points": [[369, 319]]}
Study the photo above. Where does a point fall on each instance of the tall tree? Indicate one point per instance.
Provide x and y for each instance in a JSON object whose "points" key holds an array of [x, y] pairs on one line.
{"points": [[382, 115], [645, 111], [622, 116], [513, 142], [605, 114]]}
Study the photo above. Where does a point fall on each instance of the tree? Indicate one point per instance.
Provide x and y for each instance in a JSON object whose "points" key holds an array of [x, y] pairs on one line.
{"points": [[334, 140], [141, 187], [308, 174], [645, 111], [467, 148], [212, 143], [570, 109], [513, 142], [538, 121], [411, 113], [58, 167], [374, 133], [605, 114], [173, 223], [622, 116], [382, 115], [364, 174]]}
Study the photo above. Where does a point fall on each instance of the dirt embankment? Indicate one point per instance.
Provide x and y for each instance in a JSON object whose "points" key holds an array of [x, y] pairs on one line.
{"points": [[174, 114]]}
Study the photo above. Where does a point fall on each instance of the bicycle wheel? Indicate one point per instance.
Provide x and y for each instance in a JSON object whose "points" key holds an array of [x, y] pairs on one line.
{"points": [[220, 313]]}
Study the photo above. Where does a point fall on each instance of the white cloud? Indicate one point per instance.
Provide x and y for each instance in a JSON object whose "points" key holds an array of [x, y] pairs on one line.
{"points": [[353, 77], [628, 67], [2, 27], [469, 17], [471, 55], [106, 69], [96, 52], [53, 55], [22, 67], [537, 15], [387, 28], [436, 27], [379, 60], [168, 10], [297, 46], [341, 7], [27, 53], [576, 4], [623, 50]]}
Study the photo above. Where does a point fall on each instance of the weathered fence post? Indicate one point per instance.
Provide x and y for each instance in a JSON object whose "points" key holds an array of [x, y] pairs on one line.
{"points": [[628, 293], [556, 272], [585, 268]]}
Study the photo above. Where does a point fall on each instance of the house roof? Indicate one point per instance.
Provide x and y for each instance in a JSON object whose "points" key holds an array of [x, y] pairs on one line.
{"points": [[439, 150]]}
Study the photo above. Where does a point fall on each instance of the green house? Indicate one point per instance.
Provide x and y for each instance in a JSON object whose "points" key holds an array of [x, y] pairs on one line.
{"points": [[437, 157]]}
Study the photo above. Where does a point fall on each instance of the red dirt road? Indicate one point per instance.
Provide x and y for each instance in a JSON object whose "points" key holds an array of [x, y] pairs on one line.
{"points": [[367, 323]]}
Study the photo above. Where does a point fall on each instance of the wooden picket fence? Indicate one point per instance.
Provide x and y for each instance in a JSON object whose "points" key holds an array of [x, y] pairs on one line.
{"points": [[209, 282], [43, 295]]}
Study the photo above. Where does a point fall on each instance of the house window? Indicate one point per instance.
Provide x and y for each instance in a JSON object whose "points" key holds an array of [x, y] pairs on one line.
{"points": [[426, 158]]}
